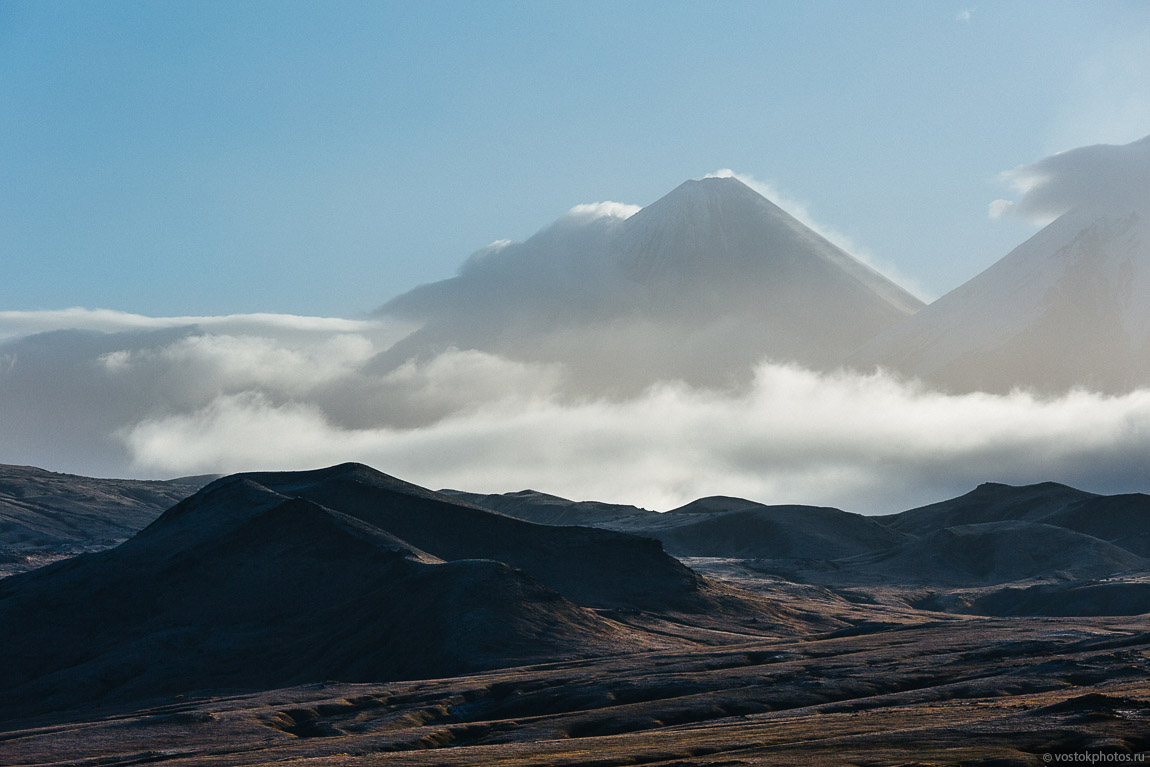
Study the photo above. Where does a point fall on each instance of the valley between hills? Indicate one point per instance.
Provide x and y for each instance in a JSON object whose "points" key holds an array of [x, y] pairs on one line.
{"points": [[343, 616]]}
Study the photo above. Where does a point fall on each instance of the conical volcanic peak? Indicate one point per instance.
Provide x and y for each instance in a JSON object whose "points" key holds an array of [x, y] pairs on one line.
{"points": [[715, 232], [712, 194], [715, 226], [699, 286]]}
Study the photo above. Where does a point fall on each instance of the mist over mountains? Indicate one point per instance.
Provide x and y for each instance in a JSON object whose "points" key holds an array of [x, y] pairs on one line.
{"points": [[706, 344]]}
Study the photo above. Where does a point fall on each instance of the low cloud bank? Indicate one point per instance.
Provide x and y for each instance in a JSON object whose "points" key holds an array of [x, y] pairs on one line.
{"points": [[164, 397], [14, 324]]}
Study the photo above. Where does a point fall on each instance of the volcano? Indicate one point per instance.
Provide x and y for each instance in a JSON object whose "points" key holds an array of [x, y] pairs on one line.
{"points": [[699, 286]]}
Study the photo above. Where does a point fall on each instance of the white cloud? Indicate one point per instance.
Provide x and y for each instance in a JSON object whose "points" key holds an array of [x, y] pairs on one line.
{"points": [[964, 15], [164, 401], [1000, 208], [22, 323], [800, 211], [466, 381], [208, 362], [1102, 176], [866, 443], [592, 210], [859, 442]]}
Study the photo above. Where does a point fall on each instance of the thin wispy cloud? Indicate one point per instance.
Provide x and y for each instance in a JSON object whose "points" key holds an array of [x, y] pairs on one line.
{"points": [[22, 323]]}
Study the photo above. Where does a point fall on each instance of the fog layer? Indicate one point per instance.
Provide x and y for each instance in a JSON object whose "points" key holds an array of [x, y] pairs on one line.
{"points": [[270, 395]]}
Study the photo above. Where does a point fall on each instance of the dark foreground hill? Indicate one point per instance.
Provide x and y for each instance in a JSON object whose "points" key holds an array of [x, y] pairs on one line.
{"points": [[46, 515], [266, 580], [596, 568], [1108, 597]]}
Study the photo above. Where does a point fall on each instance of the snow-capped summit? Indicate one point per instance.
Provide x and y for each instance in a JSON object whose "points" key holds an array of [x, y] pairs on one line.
{"points": [[698, 286]]}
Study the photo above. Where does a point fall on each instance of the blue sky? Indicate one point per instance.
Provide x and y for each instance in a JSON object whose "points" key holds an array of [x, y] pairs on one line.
{"points": [[319, 158]]}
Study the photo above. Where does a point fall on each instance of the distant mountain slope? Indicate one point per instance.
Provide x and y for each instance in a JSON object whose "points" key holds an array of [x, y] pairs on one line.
{"points": [[545, 509], [1123, 520], [989, 502], [716, 526], [996, 534], [698, 286], [1068, 308], [994, 553], [776, 532], [43, 513]]}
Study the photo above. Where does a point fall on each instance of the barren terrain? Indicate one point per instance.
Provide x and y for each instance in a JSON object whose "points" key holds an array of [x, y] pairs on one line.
{"points": [[341, 616]]}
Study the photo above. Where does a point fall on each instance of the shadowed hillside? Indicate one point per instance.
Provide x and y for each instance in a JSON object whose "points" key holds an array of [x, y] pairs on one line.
{"points": [[266, 580]]}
